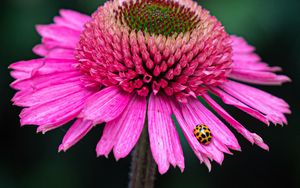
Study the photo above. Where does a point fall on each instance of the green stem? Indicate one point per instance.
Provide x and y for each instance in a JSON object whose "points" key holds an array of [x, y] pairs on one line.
{"points": [[143, 167]]}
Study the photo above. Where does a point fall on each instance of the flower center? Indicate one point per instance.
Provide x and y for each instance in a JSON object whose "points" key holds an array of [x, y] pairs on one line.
{"points": [[157, 17], [169, 46]]}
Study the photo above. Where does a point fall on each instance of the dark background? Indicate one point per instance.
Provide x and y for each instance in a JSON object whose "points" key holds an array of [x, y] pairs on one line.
{"points": [[30, 160]]}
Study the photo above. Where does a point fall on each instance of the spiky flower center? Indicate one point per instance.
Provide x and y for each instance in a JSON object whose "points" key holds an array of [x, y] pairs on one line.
{"points": [[157, 17], [143, 46]]}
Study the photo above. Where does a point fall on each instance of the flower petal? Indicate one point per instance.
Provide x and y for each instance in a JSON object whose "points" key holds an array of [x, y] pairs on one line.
{"points": [[161, 129], [44, 66], [74, 18], [75, 133], [251, 137], [41, 81], [229, 100], [191, 119], [122, 133], [28, 98], [200, 114], [40, 50], [247, 66], [108, 139], [20, 75], [55, 113], [198, 149], [274, 108], [259, 77], [105, 105], [131, 122], [61, 53], [65, 37]]}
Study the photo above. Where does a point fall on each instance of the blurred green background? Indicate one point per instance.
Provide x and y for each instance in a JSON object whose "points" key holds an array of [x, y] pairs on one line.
{"points": [[30, 160]]}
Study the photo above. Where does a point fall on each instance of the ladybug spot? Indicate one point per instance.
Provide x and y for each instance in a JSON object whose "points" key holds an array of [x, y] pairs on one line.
{"points": [[203, 134]]}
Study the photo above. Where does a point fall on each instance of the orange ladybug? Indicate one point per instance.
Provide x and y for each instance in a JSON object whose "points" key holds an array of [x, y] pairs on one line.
{"points": [[203, 134]]}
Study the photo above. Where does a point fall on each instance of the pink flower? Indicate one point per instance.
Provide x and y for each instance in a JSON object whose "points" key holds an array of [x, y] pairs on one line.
{"points": [[153, 58]]}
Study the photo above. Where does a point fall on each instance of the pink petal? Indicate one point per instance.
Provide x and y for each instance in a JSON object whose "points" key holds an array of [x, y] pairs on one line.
{"points": [[174, 138], [108, 139], [47, 94], [123, 132], [251, 137], [61, 53], [131, 122], [212, 150], [65, 36], [60, 21], [260, 142], [105, 105], [20, 75], [198, 149], [52, 44], [247, 66], [76, 19], [199, 114], [40, 50], [242, 58], [54, 53], [240, 45], [44, 66], [55, 113], [162, 131], [227, 99], [65, 33], [274, 108], [41, 81], [76, 132], [259, 77]]}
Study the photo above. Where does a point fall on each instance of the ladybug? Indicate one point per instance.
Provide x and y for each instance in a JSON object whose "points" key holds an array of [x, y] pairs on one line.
{"points": [[203, 134]]}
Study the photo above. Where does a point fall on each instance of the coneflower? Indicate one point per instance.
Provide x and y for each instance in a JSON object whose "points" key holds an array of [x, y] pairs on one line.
{"points": [[138, 63]]}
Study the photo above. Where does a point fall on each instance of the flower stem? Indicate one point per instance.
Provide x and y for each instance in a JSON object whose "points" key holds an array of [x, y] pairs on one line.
{"points": [[143, 167]]}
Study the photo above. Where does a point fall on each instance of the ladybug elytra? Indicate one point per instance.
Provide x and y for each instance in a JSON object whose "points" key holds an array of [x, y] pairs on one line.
{"points": [[203, 134]]}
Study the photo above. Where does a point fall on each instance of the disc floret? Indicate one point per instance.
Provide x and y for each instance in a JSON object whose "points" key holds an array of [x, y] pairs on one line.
{"points": [[174, 47], [157, 17]]}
